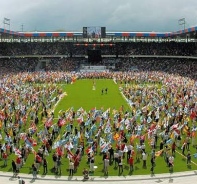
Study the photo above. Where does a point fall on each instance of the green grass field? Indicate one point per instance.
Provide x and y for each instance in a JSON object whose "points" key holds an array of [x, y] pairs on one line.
{"points": [[81, 94]]}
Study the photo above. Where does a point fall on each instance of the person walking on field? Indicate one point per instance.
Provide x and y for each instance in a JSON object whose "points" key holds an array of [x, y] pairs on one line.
{"points": [[106, 165], [45, 166], [173, 148], [120, 166], [130, 163], [188, 158], [71, 168], [171, 162], [92, 163], [144, 158], [14, 168], [59, 163], [5, 158], [34, 171]]}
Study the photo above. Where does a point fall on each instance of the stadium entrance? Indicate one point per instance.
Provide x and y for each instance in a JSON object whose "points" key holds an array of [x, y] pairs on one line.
{"points": [[94, 56], [42, 65], [94, 62]]}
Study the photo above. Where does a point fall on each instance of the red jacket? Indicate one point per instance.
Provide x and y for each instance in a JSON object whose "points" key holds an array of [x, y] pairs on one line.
{"points": [[5, 156], [131, 161]]}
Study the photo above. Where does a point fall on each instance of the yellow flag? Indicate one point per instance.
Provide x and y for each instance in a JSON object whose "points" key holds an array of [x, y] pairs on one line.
{"points": [[172, 135], [11, 132], [158, 153], [0, 124]]}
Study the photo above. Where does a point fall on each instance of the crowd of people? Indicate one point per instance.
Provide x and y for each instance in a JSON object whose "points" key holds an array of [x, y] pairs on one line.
{"points": [[14, 65], [166, 114], [33, 48], [125, 48], [183, 67], [161, 93]]}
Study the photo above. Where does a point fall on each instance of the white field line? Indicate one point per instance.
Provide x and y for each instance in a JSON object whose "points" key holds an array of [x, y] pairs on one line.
{"points": [[186, 157], [60, 98]]}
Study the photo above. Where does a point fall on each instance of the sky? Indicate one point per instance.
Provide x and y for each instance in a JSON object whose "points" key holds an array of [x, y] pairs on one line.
{"points": [[115, 15]]}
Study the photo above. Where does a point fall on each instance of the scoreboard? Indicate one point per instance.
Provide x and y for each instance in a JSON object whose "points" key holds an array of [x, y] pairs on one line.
{"points": [[94, 32]]}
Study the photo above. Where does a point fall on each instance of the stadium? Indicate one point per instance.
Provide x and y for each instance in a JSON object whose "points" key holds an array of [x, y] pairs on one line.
{"points": [[98, 102]]}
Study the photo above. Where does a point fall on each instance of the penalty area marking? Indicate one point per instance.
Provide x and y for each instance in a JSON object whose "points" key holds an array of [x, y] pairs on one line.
{"points": [[114, 80], [60, 98], [53, 109]]}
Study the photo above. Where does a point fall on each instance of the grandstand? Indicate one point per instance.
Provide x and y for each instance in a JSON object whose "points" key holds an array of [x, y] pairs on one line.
{"points": [[67, 51]]}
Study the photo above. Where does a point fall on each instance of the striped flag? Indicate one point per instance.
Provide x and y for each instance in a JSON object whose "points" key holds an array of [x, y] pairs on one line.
{"points": [[17, 151], [102, 142], [89, 150], [62, 122], [70, 154], [32, 128], [28, 143], [107, 129]]}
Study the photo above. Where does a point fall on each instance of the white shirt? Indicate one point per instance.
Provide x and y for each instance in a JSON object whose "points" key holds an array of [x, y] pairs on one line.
{"points": [[171, 159], [106, 162]]}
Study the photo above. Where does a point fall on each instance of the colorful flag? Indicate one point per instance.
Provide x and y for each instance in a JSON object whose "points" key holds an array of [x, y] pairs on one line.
{"points": [[195, 155], [59, 151], [68, 146], [102, 142], [87, 122], [89, 150], [107, 129], [125, 149], [28, 143], [17, 151], [23, 136], [93, 127], [132, 138], [105, 148], [80, 118], [149, 119], [70, 154], [158, 153], [49, 122], [62, 122], [33, 128], [169, 141], [116, 136]]}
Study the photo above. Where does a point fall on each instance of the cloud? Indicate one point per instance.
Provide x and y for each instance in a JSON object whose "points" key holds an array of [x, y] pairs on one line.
{"points": [[116, 15]]}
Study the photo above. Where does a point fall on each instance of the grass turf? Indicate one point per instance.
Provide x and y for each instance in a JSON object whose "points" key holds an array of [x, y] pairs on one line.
{"points": [[81, 94]]}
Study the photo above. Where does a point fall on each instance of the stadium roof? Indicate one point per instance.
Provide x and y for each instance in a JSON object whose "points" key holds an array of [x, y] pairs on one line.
{"points": [[116, 34], [9, 32]]}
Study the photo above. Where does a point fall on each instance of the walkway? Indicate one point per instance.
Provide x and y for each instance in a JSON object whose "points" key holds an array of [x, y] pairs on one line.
{"points": [[175, 178]]}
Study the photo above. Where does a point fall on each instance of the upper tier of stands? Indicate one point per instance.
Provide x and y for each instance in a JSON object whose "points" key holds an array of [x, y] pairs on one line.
{"points": [[70, 49]]}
